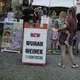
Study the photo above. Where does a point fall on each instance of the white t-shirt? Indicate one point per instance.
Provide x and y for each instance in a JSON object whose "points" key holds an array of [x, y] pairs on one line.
{"points": [[54, 33], [10, 16]]}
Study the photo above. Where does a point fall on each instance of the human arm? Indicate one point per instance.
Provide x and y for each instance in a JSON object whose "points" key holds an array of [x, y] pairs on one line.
{"points": [[35, 14]]}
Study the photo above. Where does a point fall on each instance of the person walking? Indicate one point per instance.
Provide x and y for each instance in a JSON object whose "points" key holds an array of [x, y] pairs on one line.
{"points": [[36, 16], [26, 14], [71, 26], [40, 13]]}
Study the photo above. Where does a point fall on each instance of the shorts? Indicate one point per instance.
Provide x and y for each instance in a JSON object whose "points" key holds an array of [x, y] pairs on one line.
{"points": [[63, 37], [62, 31], [54, 41]]}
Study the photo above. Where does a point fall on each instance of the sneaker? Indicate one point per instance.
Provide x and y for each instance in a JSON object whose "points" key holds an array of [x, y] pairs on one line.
{"points": [[53, 51], [60, 65], [49, 50], [66, 42], [75, 66]]}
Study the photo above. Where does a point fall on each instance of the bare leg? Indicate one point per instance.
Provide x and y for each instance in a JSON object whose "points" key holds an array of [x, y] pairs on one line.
{"points": [[71, 56], [63, 51], [54, 46], [51, 46], [67, 39], [68, 35]]}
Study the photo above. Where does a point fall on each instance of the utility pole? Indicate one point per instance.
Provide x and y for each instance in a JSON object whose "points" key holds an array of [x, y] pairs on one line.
{"points": [[49, 7]]}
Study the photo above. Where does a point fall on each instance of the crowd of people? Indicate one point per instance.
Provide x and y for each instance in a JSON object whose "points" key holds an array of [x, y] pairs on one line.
{"points": [[33, 14], [27, 13], [30, 14]]}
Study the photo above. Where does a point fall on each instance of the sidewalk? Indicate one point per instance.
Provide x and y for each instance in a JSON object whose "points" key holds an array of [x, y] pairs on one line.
{"points": [[11, 68]]}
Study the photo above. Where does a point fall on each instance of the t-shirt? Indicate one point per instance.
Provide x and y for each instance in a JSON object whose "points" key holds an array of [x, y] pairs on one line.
{"points": [[54, 33], [60, 23]]}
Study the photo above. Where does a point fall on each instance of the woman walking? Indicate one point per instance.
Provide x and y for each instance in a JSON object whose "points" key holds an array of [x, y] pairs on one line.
{"points": [[71, 26]]}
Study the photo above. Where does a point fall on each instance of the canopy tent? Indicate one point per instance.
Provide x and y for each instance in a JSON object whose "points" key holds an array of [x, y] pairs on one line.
{"points": [[54, 3]]}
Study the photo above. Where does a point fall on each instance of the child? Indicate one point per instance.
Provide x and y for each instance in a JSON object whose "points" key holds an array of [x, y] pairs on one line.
{"points": [[62, 20], [54, 37]]}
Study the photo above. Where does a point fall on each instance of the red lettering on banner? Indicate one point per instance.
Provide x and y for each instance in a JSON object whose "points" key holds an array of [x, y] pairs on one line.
{"points": [[35, 35]]}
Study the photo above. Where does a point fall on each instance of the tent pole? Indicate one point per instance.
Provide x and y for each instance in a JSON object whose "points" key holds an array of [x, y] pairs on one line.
{"points": [[49, 7]]}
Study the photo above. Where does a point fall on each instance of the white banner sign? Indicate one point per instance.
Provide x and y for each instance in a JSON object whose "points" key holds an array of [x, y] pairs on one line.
{"points": [[44, 20], [34, 46]]}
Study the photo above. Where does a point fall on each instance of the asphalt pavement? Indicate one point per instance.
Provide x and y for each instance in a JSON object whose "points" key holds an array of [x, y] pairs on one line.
{"points": [[11, 68]]}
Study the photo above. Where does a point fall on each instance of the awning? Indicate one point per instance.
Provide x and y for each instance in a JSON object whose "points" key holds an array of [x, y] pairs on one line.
{"points": [[54, 3]]}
